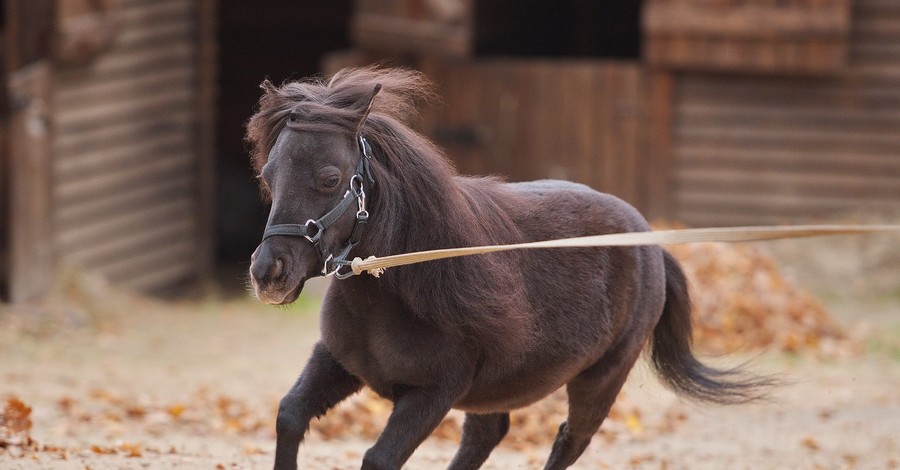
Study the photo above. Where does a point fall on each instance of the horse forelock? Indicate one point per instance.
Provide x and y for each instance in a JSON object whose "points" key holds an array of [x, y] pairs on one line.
{"points": [[337, 105]]}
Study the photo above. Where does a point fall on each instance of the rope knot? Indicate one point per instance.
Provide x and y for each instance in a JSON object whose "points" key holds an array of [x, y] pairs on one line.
{"points": [[356, 266]]}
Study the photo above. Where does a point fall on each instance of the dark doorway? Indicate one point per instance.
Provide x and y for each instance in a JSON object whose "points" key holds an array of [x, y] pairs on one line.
{"points": [[565, 28], [279, 40]]}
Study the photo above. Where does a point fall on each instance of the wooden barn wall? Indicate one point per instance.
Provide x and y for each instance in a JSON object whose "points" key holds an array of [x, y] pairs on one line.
{"points": [[527, 119], [773, 150], [127, 173]]}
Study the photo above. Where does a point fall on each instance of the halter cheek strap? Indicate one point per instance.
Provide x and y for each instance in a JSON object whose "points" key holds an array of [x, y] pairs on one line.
{"points": [[312, 230]]}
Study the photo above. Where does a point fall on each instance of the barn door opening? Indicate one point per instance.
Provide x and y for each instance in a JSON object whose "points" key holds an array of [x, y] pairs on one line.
{"points": [[278, 40], [569, 28]]}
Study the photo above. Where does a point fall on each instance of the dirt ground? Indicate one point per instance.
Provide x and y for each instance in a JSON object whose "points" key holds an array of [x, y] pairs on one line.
{"points": [[118, 382]]}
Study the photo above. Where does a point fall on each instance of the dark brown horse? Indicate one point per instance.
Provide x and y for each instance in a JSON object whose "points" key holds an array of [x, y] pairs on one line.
{"points": [[484, 334]]}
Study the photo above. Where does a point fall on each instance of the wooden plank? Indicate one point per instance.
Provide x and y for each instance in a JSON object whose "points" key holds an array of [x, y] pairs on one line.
{"points": [[153, 82], [118, 225], [381, 32], [438, 28], [31, 258], [112, 111], [5, 191], [794, 38], [154, 12], [787, 136], [156, 258], [176, 54], [164, 166], [204, 144], [760, 204], [740, 90], [710, 111], [755, 20], [658, 164], [128, 156], [140, 36], [831, 160], [95, 210], [706, 217], [75, 144], [774, 183], [98, 255], [177, 273]]}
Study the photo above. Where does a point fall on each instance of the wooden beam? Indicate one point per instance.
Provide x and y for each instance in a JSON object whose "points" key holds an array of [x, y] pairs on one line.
{"points": [[657, 164], [32, 260], [205, 136], [749, 20]]}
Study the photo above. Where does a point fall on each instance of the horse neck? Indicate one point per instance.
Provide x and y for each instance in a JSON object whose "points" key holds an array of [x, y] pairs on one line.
{"points": [[411, 212], [418, 203]]}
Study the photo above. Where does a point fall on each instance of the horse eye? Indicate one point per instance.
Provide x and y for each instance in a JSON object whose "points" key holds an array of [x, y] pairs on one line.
{"points": [[331, 182], [293, 117]]}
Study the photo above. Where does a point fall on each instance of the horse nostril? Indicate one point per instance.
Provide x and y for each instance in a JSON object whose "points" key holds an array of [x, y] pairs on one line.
{"points": [[278, 269]]}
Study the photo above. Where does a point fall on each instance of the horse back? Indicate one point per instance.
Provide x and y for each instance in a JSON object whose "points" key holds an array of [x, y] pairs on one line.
{"points": [[583, 302]]}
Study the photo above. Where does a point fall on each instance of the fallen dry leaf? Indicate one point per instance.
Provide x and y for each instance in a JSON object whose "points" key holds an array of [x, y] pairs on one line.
{"points": [[810, 443], [15, 425], [131, 449]]}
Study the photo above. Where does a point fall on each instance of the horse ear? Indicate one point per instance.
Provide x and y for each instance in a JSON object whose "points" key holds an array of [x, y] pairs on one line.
{"points": [[368, 107], [267, 86]]}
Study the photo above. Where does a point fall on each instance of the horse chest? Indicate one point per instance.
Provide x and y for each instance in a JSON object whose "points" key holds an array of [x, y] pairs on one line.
{"points": [[386, 348]]}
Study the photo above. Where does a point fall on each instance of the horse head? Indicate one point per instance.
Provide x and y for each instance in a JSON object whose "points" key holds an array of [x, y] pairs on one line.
{"points": [[316, 174]]}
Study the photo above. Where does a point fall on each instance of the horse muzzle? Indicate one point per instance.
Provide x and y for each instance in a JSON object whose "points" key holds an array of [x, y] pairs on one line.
{"points": [[276, 273]]}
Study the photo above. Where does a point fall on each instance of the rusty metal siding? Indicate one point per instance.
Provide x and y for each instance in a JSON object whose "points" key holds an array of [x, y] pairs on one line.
{"points": [[774, 150], [126, 169]]}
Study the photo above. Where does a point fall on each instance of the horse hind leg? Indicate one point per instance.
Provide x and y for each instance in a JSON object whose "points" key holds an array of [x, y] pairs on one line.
{"points": [[481, 433], [591, 396]]}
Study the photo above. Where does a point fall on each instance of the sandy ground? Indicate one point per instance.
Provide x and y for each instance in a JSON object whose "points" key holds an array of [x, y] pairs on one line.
{"points": [[130, 383]]}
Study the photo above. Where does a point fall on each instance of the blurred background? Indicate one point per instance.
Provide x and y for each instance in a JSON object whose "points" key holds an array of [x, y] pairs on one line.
{"points": [[128, 213], [123, 119]]}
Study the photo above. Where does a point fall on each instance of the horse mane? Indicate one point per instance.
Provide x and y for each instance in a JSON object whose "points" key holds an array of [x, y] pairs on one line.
{"points": [[418, 202], [334, 105]]}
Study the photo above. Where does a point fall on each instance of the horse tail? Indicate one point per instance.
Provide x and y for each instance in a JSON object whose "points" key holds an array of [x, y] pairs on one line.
{"points": [[674, 360]]}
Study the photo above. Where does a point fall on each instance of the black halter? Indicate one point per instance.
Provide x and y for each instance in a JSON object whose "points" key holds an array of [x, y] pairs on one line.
{"points": [[312, 230]]}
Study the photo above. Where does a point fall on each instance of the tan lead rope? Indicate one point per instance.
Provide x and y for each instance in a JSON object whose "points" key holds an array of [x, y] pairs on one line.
{"points": [[376, 266]]}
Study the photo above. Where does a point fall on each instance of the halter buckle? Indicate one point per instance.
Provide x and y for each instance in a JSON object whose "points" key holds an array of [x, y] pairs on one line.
{"points": [[361, 213], [325, 266], [312, 236], [364, 146]]}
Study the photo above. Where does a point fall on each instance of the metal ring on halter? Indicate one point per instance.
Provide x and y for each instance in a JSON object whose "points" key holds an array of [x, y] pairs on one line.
{"points": [[314, 237], [358, 187], [346, 275]]}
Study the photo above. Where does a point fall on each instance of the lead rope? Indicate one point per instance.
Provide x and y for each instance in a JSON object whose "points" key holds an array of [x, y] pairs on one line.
{"points": [[376, 266]]}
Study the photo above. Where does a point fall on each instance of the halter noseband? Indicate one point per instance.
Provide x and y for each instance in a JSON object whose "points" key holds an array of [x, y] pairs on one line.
{"points": [[312, 230]]}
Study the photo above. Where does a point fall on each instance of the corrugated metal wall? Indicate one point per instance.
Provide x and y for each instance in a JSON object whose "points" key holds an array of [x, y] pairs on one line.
{"points": [[126, 202], [771, 150]]}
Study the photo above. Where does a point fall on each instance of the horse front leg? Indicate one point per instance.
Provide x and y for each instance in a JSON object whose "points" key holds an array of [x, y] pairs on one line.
{"points": [[481, 433], [417, 412], [323, 384]]}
